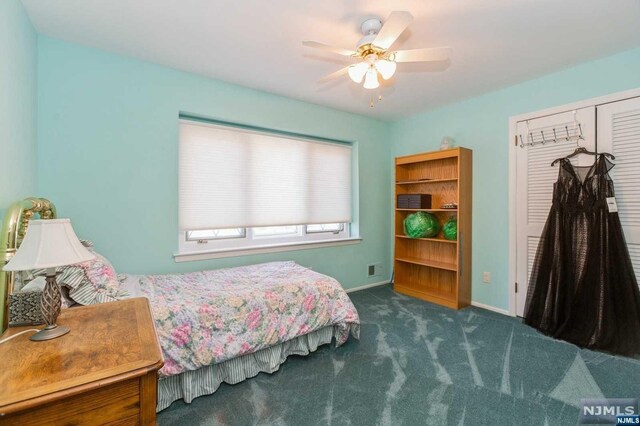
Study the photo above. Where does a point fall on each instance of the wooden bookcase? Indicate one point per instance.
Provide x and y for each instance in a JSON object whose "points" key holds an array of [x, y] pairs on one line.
{"points": [[435, 269]]}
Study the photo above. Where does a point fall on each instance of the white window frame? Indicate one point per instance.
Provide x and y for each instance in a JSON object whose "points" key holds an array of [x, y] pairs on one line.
{"points": [[255, 234], [300, 232], [251, 240], [342, 228], [192, 249], [189, 237]]}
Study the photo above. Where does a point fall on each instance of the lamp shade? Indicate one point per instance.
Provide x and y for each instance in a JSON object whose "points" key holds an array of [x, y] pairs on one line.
{"points": [[371, 79], [386, 68], [48, 244], [357, 72]]}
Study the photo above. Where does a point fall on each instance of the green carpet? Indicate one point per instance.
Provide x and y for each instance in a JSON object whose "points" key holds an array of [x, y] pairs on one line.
{"points": [[417, 363]]}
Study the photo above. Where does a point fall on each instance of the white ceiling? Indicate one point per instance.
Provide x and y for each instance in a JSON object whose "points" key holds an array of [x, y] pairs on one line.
{"points": [[257, 43]]}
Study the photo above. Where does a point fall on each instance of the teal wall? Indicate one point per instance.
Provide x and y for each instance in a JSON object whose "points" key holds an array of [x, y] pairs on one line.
{"points": [[482, 124], [18, 59], [107, 154], [108, 146]]}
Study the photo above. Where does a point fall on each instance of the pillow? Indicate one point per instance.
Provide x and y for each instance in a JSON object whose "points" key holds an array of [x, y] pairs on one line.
{"points": [[37, 284], [91, 282]]}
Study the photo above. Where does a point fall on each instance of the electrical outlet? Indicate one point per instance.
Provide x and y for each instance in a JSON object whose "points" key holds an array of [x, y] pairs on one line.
{"points": [[371, 270], [486, 277], [374, 269]]}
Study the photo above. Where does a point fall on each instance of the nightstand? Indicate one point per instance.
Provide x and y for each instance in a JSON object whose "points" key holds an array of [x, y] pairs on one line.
{"points": [[104, 371]]}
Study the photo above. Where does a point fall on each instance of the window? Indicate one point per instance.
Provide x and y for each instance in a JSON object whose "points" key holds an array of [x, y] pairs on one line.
{"points": [[325, 227], [242, 189], [213, 234], [243, 238], [275, 231]]}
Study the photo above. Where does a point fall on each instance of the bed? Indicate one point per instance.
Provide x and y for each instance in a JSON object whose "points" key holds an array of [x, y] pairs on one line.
{"points": [[215, 326], [227, 325]]}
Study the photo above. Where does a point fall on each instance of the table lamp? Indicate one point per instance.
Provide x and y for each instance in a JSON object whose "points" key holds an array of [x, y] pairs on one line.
{"points": [[48, 244]]}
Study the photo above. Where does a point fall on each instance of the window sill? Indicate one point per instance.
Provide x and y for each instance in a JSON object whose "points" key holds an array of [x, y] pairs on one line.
{"points": [[273, 248]]}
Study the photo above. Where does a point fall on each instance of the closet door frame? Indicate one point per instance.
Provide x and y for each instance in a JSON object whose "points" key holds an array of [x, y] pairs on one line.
{"points": [[513, 147]]}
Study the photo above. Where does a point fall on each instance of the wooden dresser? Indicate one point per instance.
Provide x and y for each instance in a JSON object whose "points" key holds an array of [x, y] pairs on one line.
{"points": [[103, 371]]}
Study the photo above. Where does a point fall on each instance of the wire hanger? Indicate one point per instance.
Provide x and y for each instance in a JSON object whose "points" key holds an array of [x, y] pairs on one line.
{"points": [[580, 149]]}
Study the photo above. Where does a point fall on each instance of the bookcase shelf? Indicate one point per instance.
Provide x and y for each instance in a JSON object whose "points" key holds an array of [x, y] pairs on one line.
{"points": [[429, 210], [429, 263], [435, 269], [423, 181], [439, 240]]}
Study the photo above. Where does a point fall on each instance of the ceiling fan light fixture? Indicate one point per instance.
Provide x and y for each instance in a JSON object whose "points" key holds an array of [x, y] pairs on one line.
{"points": [[358, 71], [374, 55], [371, 79], [386, 68]]}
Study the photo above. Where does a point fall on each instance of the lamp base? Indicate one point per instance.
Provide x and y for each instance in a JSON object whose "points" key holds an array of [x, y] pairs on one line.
{"points": [[50, 306], [50, 332]]}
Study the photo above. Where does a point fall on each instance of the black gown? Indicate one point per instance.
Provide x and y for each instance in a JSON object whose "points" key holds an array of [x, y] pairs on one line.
{"points": [[582, 287]]}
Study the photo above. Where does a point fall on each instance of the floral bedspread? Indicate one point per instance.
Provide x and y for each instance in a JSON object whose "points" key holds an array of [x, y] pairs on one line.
{"points": [[208, 317]]}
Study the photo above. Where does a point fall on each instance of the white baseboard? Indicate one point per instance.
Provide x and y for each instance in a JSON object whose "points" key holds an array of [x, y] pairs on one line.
{"points": [[366, 286], [476, 304], [490, 308]]}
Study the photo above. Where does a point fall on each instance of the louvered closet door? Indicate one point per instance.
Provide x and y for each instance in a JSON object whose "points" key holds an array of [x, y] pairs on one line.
{"points": [[535, 178], [619, 134]]}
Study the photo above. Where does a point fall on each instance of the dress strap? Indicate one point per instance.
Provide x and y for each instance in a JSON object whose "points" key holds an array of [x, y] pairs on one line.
{"points": [[603, 165]]}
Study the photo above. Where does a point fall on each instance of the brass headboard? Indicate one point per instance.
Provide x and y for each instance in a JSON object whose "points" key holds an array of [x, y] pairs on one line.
{"points": [[14, 227]]}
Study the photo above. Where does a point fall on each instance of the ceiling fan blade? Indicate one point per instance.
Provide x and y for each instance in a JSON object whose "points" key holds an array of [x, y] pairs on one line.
{"points": [[322, 46], [334, 75], [431, 54], [392, 28]]}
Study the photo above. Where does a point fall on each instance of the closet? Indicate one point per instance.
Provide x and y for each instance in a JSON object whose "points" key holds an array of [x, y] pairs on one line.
{"points": [[610, 127]]}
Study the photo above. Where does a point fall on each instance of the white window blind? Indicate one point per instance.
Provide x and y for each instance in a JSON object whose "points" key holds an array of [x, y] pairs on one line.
{"points": [[233, 178]]}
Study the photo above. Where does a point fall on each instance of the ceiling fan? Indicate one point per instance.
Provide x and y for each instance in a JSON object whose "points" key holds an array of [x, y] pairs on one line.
{"points": [[372, 51]]}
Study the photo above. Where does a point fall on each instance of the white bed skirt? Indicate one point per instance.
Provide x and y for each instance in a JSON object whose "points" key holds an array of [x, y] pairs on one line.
{"points": [[206, 380]]}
